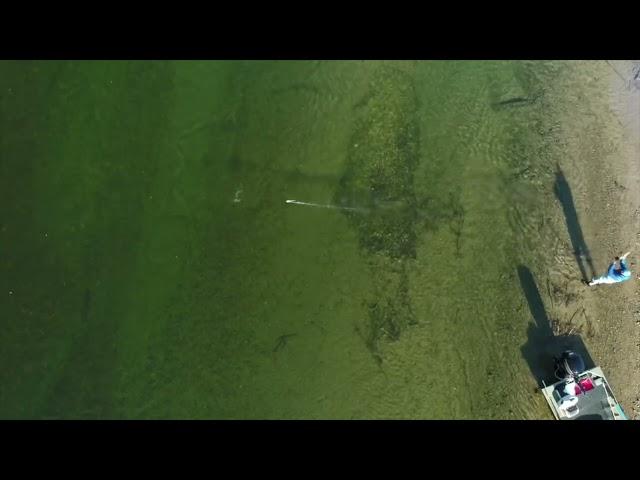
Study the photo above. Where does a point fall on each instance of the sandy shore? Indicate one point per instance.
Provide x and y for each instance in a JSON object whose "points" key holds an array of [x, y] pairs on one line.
{"points": [[622, 340], [610, 218]]}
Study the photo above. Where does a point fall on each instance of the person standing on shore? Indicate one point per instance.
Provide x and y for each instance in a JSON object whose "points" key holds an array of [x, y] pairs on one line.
{"points": [[618, 272]]}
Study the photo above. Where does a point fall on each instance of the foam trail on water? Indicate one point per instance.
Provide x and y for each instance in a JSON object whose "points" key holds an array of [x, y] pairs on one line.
{"points": [[318, 205]]}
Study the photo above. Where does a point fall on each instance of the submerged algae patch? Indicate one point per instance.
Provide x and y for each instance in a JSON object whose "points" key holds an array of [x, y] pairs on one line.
{"points": [[383, 154], [390, 314], [382, 157]]}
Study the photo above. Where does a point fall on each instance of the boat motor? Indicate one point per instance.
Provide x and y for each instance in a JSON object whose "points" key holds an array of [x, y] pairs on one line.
{"points": [[569, 365]]}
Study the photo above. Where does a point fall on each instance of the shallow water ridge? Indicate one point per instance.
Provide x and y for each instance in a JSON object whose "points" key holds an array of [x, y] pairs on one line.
{"points": [[154, 269]]}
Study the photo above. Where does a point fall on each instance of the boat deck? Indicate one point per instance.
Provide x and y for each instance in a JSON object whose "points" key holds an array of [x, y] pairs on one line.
{"points": [[596, 403]]}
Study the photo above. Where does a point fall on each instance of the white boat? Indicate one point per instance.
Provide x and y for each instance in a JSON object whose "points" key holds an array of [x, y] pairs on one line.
{"points": [[581, 394]]}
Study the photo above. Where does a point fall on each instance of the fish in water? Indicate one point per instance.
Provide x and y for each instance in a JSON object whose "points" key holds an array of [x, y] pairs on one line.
{"points": [[298, 87], [515, 101], [86, 306], [282, 340]]}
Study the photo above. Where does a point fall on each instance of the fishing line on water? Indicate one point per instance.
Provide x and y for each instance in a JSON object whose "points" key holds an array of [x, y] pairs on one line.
{"points": [[319, 205]]}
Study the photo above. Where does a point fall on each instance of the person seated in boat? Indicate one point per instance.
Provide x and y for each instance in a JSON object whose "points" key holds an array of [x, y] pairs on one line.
{"points": [[618, 272]]}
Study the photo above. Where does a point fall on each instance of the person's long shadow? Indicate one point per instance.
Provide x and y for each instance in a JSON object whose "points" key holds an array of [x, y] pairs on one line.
{"points": [[580, 249], [541, 344]]}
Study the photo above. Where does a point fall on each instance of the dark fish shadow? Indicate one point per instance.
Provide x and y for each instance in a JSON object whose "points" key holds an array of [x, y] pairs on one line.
{"points": [[86, 306], [513, 102], [282, 341], [298, 87], [580, 249], [542, 346]]}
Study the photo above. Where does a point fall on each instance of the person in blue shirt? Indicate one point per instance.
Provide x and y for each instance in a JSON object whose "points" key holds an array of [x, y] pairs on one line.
{"points": [[618, 272]]}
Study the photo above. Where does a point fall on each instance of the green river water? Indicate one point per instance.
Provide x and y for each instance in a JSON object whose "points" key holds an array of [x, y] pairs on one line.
{"points": [[151, 267]]}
